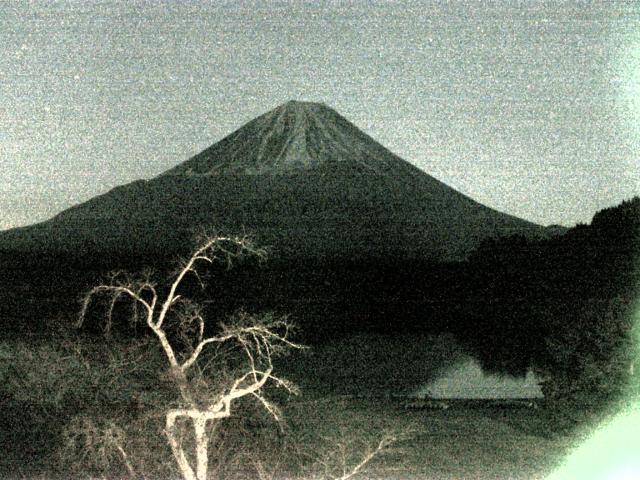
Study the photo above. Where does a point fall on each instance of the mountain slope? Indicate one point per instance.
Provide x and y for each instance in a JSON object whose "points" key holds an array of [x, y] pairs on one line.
{"points": [[302, 179], [293, 137]]}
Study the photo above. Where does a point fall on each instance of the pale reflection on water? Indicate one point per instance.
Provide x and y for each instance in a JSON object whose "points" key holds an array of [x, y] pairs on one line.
{"points": [[467, 380]]}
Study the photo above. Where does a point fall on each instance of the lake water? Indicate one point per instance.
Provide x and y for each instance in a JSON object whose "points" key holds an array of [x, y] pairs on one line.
{"points": [[402, 365], [467, 380]]}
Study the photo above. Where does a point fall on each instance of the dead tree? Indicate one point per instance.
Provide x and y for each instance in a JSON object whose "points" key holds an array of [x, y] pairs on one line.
{"points": [[258, 338]]}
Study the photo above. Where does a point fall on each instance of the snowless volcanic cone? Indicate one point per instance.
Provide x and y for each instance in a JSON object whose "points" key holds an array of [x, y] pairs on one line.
{"points": [[296, 136], [303, 180]]}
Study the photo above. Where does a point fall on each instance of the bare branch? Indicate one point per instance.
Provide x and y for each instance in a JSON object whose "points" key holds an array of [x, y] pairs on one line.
{"points": [[269, 407], [198, 350], [252, 333], [384, 443], [207, 252], [114, 292]]}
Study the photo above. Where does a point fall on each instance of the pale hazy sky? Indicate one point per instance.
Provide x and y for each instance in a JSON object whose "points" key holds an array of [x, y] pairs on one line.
{"points": [[530, 107]]}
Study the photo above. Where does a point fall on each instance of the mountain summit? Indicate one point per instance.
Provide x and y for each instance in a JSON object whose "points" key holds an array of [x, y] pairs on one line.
{"points": [[294, 136], [302, 179]]}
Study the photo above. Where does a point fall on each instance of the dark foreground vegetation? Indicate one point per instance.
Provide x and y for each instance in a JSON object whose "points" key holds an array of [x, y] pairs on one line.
{"points": [[74, 400], [75, 428]]}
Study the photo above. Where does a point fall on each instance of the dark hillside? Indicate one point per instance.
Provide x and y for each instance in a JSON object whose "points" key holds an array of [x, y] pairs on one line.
{"points": [[563, 306]]}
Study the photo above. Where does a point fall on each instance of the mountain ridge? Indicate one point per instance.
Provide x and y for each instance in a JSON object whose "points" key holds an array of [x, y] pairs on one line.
{"points": [[302, 179]]}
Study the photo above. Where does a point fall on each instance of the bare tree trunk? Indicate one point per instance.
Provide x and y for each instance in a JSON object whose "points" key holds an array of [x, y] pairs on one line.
{"points": [[176, 448], [199, 418], [202, 443]]}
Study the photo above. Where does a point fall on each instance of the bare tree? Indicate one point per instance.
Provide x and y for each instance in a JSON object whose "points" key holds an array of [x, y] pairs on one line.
{"points": [[258, 338]]}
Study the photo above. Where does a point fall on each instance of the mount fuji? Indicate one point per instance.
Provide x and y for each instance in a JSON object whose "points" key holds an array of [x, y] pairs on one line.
{"points": [[302, 180]]}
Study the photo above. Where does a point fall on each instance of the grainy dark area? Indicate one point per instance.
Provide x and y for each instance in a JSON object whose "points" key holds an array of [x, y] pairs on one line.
{"points": [[555, 301], [404, 243]]}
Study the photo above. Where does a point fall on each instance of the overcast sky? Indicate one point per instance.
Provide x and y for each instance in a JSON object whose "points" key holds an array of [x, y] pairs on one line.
{"points": [[532, 108]]}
